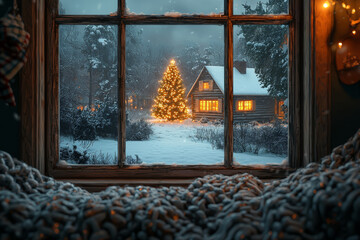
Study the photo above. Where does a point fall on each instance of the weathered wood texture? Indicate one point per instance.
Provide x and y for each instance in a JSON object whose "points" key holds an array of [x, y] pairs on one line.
{"points": [[121, 7], [203, 76], [322, 102], [121, 95], [52, 87], [264, 109], [154, 172], [32, 87], [212, 94], [228, 98], [264, 106], [308, 81], [184, 19], [165, 172], [296, 108]]}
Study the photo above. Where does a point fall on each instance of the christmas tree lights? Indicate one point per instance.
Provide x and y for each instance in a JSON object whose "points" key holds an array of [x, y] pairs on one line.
{"points": [[170, 103]]}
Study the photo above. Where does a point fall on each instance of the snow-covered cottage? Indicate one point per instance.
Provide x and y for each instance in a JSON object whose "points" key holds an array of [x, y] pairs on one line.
{"points": [[251, 101]]}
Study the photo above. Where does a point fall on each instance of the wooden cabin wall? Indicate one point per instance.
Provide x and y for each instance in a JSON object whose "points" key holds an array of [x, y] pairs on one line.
{"points": [[264, 109], [10, 124], [213, 94], [205, 75]]}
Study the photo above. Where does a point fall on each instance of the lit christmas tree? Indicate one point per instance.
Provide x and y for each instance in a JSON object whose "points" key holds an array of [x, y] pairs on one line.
{"points": [[170, 103]]}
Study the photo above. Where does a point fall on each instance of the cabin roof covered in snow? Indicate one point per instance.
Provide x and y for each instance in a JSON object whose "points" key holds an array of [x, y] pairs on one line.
{"points": [[244, 84]]}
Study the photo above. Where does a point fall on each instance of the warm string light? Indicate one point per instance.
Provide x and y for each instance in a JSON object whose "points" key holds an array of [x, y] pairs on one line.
{"points": [[350, 11], [170, 104]]}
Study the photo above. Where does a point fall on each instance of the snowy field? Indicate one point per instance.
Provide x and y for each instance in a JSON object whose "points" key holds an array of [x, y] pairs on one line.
{"points": [[171, 144]]}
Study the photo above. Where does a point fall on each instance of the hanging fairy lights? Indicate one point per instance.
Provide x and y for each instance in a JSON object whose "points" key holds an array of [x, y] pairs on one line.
{"points": [[352, 12], [345, 38]]}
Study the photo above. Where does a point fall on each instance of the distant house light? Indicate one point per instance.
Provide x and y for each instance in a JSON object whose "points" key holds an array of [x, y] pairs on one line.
{"points": [[209, 105], [206, 85], [245, 105]]}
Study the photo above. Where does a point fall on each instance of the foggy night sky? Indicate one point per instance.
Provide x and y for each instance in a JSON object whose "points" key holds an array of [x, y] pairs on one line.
{"points": [[164, 34], [152, 6]]}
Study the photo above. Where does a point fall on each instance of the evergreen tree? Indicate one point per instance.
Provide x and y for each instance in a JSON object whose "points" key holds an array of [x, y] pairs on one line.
{"points": [[192, 60], [266, 47], [71, 83], [99, 45], [170, 103]]}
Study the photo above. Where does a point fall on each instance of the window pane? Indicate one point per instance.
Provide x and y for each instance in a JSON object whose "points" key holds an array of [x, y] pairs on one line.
{"points": [[162, 66], [174, 7], [261, 62], [263, 7], [87, 7], [88, 94]]}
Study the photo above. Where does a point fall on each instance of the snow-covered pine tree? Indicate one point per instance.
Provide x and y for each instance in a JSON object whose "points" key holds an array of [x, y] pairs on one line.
{"points": [[99, 45], [106, 113], [70, 61], [266, 47], [192, 60], [170, 103]]}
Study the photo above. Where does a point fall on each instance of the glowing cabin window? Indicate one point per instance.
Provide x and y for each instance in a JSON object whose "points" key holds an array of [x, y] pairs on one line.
{"points": [[247, 105], [209, 105], [281, 112], [206, 86]]}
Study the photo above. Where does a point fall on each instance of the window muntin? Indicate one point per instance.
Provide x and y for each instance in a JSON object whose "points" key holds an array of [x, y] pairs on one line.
{"points": [[215, 19], [245, 105], [209, 105]]}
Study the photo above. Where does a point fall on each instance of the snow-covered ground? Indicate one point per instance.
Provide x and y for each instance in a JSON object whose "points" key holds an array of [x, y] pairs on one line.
{"points": [[171, 144]]}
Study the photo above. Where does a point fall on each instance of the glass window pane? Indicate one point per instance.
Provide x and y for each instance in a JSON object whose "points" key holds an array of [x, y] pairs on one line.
{"points": [[87, 7], [88, 94], [261, 7], [174, 7], [165, 124], [261, 62]]}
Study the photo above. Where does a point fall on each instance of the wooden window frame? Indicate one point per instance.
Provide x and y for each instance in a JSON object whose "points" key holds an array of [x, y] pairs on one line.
{"points": [[309, 93], [130, 172]]}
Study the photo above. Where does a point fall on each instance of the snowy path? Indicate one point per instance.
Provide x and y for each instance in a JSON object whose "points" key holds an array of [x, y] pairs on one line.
{"points": [[171, 145]]}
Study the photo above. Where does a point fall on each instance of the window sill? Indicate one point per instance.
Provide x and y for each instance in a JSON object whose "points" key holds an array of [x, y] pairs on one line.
{"points": [[97, 185], [105, 176]]}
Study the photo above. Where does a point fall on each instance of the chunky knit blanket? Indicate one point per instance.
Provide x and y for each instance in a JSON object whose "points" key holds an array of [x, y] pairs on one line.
{"points": [[320, 201]]}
